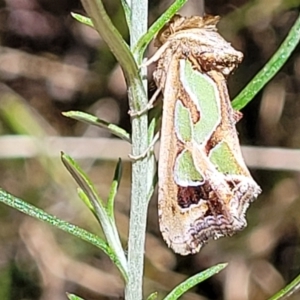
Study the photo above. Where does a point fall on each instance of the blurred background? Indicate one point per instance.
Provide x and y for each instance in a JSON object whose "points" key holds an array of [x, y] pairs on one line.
{"points": [[50, 63]]}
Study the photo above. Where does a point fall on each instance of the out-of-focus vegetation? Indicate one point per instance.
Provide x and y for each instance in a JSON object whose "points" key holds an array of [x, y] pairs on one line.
{"points": [[50, 63]]}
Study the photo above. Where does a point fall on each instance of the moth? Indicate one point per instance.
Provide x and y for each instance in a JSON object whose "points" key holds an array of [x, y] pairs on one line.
{"points": [[204, 186]]}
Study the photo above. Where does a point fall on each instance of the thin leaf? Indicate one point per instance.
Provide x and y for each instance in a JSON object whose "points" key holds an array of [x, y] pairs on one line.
{"points": [[152, 296], [114, 189], [290, 289], [41, 215], [127, 12], [151, 130], [85, 184], [153, 166], [108, 225], [153, 185], [82, 19], [92, 120], [73, 297], [119, 48], [194, 280], [156, 26], [270, 69], [83, 196]]}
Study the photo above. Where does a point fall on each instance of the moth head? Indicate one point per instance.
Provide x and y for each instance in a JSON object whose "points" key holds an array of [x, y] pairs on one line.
{"points": [[179, 23]]}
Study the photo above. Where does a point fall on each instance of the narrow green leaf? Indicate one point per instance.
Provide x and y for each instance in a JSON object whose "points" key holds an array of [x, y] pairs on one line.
{"points": [[119, 48], [73, 297], [82, 19], [194, 280], [85, 184], [156, 26], [151, 130], [288, 290], [92, 120], [270, 69], [114, 189], [150, 179], [152, 187], [83, 196], [152, 296], [107, 224], [41, 215], [127, 12]]}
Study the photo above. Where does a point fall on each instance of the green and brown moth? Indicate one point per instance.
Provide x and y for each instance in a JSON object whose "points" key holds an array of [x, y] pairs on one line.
{"points": [[204, 184]]}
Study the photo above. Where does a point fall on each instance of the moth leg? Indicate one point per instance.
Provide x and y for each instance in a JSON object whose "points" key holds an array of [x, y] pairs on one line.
{"points": [[156, 56], [147, 151], [147, 107], [195, 63], [237, 115]]}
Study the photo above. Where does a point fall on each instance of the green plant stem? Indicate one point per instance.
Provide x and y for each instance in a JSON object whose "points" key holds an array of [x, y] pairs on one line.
{"points": [[137, 101], [139, 199]]}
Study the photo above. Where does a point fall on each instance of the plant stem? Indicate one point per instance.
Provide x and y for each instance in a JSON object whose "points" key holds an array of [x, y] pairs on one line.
{"points": [[139, 198]]}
